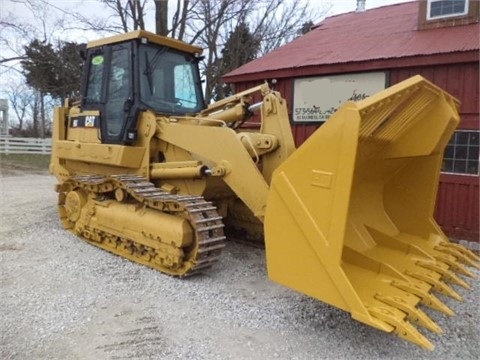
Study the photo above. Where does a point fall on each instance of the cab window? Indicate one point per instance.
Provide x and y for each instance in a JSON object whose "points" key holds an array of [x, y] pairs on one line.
{"points": [[169, 81]]}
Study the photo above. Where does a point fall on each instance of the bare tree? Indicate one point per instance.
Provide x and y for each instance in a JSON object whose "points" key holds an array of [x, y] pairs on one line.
{"points": [[180, 18], [28, 117], [207, 23], [15, 34], [271, 22], [209, 18], [161, 17], [281, 21], [12, 51], [128, 12], [21, 98]]}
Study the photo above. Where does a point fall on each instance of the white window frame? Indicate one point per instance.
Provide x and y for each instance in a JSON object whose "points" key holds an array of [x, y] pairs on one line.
{"points": [[429, 5], [453, 158]]}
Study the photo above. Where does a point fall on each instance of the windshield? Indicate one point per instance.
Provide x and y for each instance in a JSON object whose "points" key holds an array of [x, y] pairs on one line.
{"points": [[169, 81]]}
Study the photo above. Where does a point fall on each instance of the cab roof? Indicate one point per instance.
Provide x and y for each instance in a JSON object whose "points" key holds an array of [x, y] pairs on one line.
{"points": [[151, 37]]}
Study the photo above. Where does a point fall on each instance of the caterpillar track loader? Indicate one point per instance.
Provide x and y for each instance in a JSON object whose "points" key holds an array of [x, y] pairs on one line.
{"points": [[148, 171]]}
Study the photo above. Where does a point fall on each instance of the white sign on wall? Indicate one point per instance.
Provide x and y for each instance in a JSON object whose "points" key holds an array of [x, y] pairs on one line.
{"points": [[316, 98]]}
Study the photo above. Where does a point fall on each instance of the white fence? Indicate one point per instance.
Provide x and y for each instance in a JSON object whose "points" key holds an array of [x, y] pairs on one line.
{"points": [[15, 145]]}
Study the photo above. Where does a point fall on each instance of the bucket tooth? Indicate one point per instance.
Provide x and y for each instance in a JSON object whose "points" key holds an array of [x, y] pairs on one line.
{"points": [[446, 274], [402, 328], [437, 285], [404, 257], [439, 247], [426, 298], [350, 213], [463, 250], [455, 265], [414, 314], [459, 254]]}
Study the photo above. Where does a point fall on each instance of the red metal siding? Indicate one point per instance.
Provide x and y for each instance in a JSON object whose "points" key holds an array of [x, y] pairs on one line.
{"points": [[368, 38], [460, 80], [457, 208], [458, 195]]}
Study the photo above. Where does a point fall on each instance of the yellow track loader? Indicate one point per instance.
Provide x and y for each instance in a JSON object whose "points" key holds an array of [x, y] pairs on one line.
{"points": [[148, 171]]}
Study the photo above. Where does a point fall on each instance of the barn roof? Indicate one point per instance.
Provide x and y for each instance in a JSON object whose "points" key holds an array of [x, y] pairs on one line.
{"points": [[388, 32]]}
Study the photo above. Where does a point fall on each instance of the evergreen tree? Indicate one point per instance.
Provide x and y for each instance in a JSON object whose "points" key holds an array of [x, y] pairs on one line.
{"points": [[39, 65], [306, 27], [53, 71], [240, 48], [68, 70]]}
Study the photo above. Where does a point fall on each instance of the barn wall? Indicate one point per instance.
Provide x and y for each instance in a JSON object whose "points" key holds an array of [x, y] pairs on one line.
{"points": [[460, 80], [457, 208]]}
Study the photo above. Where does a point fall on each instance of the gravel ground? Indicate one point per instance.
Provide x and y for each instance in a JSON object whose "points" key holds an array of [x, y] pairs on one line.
{"points": [[64, 299]]}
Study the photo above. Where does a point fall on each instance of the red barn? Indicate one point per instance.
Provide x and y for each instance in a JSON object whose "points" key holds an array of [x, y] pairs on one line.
{"points": [[377, 48]]}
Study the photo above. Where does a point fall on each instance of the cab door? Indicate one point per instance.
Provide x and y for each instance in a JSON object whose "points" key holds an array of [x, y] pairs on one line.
{"points": [[108, 89]]}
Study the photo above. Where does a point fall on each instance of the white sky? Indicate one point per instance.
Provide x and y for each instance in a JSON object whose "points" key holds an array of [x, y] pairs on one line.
{"points": [[344, 6], [86, 7]]}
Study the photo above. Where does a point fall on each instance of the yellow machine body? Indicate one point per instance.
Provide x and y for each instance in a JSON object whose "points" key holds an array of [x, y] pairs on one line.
{"points": [[347, 218]]}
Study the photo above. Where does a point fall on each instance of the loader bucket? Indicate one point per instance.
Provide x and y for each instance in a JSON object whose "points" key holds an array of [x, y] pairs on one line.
{"points": [[349, 217]]}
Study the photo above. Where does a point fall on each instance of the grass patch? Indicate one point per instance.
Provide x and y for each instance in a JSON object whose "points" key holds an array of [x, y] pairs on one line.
{"points": [[35, 162]]}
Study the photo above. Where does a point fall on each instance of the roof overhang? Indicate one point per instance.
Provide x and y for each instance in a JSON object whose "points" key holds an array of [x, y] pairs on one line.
{"points": [[360, 66]]}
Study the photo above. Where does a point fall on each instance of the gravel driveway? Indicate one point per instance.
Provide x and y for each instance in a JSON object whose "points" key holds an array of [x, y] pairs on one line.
{"points": [[64, 299]]}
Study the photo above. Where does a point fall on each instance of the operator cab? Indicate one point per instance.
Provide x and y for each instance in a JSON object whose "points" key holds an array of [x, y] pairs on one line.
{"points": [[139, 71]]}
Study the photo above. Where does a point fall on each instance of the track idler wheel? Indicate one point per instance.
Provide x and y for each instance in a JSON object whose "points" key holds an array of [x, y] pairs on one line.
{"points": [[74, 202]]}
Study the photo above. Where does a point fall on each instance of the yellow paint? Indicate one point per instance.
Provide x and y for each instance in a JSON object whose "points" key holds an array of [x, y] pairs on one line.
{"points": [[348, 217], [355, 203]]}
